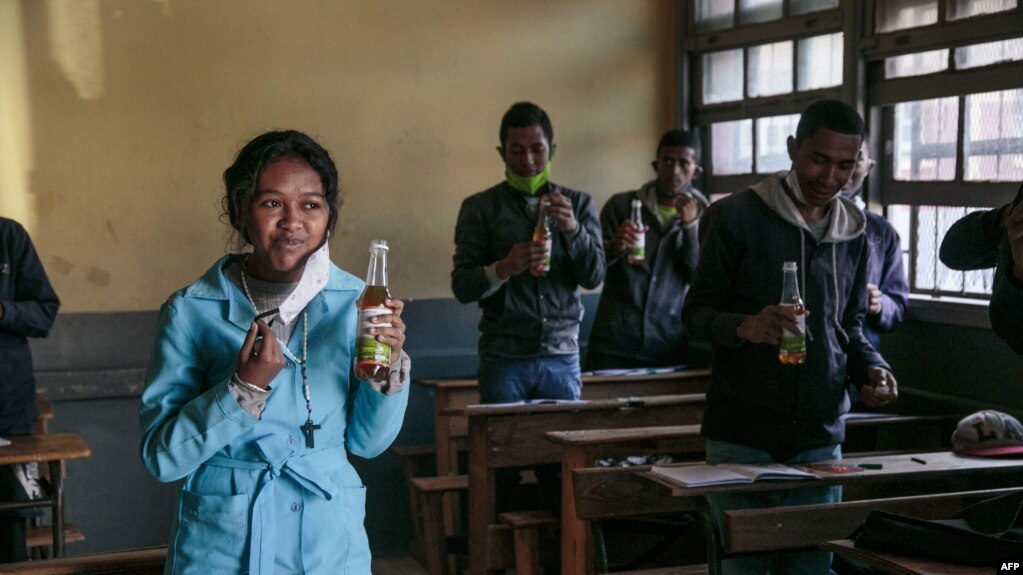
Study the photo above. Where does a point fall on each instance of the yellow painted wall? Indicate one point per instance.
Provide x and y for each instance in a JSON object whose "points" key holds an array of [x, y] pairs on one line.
{"points": [[118, 117]]}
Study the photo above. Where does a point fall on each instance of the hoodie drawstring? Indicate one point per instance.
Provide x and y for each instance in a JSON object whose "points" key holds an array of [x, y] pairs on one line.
{"points": [[802, 269], [834, 278]]}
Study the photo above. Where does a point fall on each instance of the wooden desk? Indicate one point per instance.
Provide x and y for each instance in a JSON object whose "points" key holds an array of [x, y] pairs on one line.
{"points": [[52, 449], [451, 396], [943, 469], [581, 448], [943, 472], [513, 436], [903, 564]]}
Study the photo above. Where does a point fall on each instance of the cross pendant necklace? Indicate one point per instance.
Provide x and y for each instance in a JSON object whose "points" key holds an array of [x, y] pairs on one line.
{"points": [[309, 427]]}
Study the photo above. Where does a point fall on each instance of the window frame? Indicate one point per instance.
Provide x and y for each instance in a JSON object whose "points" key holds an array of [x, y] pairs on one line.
{"points": [[864, 85]]}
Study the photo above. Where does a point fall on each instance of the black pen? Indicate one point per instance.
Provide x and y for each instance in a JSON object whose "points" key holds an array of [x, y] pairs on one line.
{"points": [[918, 460], [267, 313]]}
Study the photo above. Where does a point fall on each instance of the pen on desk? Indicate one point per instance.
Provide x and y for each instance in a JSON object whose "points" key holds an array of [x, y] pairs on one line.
{"points": [[871, 466], [918, 460]]}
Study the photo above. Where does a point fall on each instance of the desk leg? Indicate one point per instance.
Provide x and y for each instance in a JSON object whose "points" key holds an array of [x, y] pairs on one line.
{"points": [[576, 543], [713, 535], [57, 481]]}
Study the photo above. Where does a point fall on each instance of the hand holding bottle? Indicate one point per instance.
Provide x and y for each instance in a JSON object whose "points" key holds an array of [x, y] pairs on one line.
{"points": [[559, 208], [627, 236], [523, 256], [389, 329], [768, 325]]}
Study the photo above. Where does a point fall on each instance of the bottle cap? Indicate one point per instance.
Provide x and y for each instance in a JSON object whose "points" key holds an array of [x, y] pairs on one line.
{"points": [[788, 266], [378, 245]]}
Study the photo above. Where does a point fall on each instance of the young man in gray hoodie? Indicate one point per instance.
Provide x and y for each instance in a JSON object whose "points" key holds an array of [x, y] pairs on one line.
{"points": [[760, 410]]}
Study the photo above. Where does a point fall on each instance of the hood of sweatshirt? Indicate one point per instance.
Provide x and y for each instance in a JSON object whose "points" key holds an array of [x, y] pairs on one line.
{"points": [[846, 220]]}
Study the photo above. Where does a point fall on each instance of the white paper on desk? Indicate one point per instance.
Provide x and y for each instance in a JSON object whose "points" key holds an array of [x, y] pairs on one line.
{"points": [[729, 473], [4, 442], [532, 402], [636, 371]]}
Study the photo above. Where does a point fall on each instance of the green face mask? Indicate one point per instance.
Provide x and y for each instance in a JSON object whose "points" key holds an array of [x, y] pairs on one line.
{"points": [[531, 185]]}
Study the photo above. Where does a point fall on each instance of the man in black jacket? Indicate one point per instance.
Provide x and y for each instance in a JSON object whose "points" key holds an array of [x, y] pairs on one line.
{"points": [[639, 319], [529, 342]]}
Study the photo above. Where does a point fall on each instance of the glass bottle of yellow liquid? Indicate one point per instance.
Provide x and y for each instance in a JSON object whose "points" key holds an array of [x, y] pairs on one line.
{"points": [[542, 233], [792, 349], [637, 253], [373, 358]]}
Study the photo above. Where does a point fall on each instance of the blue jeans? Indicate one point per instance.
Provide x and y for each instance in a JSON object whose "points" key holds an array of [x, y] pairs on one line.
{"points": [[808, 562], [506, 379]]}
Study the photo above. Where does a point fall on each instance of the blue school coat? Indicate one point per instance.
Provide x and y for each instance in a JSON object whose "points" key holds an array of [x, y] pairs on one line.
{"points": [[256, 499]]}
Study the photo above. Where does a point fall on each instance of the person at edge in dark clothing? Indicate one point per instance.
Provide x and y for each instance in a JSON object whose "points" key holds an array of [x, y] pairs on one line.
{"points": [[993, 239], [28, 307], [887, 287]]}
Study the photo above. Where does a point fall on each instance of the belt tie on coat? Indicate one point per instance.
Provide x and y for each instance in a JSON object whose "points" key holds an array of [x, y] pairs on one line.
{"points": [[276, 459]]}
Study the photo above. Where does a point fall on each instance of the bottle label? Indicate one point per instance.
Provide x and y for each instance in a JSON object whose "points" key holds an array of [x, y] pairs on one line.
{"points": [[547, 245], [638, 251], [368, 348], [794, 342]]}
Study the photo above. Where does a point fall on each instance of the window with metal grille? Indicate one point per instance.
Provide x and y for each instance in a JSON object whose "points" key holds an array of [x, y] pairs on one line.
{"points": [[940, 83], [945, 85]]}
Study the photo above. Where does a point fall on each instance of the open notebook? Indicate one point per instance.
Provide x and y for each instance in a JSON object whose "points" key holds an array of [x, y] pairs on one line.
{"points": [[727, 473]]}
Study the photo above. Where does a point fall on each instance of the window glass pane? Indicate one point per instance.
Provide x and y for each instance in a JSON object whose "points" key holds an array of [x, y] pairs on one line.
{"points": [[722, 76], [807, 6], [714, 14], [820, 62], [965, 8], [751, 11], [925, 139], [901, 14], [989, 53], [770, 69], [993, 145], [916, 64], [927, 273], [899, 216], [772, 135], [732, 147]]}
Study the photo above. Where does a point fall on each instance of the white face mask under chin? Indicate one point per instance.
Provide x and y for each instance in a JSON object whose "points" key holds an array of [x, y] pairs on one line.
{"points": [[314, 279]]}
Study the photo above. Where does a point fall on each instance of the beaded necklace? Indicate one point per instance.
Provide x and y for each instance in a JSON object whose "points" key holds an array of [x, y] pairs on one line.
{"points": [[309, 427]]}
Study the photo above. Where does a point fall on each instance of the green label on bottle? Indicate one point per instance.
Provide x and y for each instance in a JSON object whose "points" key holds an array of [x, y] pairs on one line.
{"points": [[369, 349]]}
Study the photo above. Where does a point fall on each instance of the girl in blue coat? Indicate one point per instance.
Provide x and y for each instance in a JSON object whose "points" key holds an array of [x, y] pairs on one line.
{"points": [[258, 414]]}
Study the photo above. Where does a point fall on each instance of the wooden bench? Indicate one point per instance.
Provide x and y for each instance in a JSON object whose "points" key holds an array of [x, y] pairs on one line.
{"points": [[42, 535], [416, 461], [805, 527], [428, 494], [135, 562]]}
